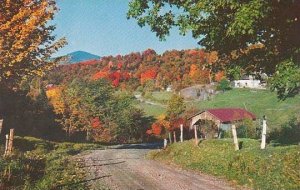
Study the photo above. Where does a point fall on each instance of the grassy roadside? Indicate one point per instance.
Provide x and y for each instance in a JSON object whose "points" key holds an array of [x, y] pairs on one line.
{"points": [[273, 168], [40, 164]]}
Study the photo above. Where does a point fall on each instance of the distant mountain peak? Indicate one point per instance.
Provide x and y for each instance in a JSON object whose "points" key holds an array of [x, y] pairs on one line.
{"points": [[79, 56]]}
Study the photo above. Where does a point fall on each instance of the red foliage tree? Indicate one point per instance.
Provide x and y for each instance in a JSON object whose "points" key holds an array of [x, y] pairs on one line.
{"points": [[148, 75], [96, 123]]}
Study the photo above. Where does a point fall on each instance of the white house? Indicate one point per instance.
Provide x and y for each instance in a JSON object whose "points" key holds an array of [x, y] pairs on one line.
{"points": [[249, 82]]}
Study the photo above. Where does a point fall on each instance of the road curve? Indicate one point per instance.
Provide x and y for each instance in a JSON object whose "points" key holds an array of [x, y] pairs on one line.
{"points": [[125, 167]]}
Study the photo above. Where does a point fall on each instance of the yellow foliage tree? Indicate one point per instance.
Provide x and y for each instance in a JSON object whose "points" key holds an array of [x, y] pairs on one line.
{"points": [[26, 43]]}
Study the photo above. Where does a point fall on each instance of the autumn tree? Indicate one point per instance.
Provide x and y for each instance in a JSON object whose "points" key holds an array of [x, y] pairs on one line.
{"points": [[26, 39], [257, 35], [175, 107]]}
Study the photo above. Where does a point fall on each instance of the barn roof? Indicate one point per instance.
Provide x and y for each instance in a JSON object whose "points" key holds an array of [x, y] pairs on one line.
{"points": [[230, 114]]}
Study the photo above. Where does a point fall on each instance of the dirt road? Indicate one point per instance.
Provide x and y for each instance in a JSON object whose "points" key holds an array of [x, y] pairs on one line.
{"points": [[125, 167]]}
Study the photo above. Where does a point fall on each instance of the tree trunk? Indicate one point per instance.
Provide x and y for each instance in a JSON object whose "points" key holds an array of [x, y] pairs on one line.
{"points": [[170, 138], [235, 139], [181, 133], [174, 135], [196, 135], [263, 135]]}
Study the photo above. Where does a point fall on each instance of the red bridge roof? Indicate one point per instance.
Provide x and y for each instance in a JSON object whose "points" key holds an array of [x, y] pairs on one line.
{"points": [[231, 114]]}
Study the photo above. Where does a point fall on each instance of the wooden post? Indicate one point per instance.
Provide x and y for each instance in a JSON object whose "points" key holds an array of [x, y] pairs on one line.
{"points": [[170, 138], [10, 142], [196, 135], [1, 124], [88, 135], [235, 139], [174, 135], [263, 134], [181, 132], [165, 143], [6, 144]]}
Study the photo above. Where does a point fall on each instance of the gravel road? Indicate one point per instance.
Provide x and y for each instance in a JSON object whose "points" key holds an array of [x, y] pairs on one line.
{"points": [[125, 167]]}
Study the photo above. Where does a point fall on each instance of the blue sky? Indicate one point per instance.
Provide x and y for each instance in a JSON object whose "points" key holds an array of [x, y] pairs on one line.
{"points": [[101, 27]]}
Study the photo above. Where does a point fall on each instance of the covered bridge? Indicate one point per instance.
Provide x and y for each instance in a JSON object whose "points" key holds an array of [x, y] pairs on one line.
{"points": [[221, 118]]}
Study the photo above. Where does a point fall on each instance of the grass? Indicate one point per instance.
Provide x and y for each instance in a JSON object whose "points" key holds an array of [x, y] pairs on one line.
{"points": [[273, 168], [151, 110], [40, 164], [162, 96], [260, 102]]}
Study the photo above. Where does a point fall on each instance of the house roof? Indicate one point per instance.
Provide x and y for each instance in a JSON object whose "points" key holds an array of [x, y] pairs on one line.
{"points": [[230, 114]]}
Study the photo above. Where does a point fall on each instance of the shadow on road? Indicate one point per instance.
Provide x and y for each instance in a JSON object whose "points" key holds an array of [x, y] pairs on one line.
{"points": [[139, 146], [83, 181], [105, 164]]}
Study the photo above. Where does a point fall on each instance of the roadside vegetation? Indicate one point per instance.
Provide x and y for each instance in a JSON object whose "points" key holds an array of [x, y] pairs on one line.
{"points": [[41, 164], [277, 167]]}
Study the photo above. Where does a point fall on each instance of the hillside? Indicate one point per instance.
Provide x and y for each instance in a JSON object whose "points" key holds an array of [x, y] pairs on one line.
{"points": [[260, 102], [179, 68]]}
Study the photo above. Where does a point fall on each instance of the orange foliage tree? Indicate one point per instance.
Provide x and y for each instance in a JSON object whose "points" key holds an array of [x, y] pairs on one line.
{"points": [[26, 43]]}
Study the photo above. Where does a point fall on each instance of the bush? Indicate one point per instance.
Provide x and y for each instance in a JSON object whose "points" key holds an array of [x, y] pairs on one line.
{"points": [[247, 129], [224, 85], [288, 134]]}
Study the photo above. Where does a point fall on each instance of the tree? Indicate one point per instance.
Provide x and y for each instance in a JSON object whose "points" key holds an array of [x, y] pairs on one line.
{"points": [[175, 107], [26, 42], [286, 80], [255, 34], [224, 85]]}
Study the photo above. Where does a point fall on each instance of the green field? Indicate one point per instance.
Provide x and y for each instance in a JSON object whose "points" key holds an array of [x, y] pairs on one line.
{"points": [[162, 96], [260, 102], [151, 110]]}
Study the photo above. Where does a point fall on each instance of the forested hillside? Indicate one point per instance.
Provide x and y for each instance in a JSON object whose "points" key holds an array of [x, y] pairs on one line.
{"points": [[177, 68]]}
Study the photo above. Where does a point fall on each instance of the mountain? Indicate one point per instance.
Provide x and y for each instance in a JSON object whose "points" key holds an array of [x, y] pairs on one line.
{"points": [[79, 56]]}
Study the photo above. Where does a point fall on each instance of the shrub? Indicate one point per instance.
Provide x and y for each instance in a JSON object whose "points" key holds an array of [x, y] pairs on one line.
{"points": [[224, 85], [289, 133]]}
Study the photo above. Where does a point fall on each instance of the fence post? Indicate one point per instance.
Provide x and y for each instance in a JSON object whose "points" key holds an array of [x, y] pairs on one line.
{"points": [[174, 136], [1, 124], [196, 135], [10, 142], [235, 139], [170, 138], [181, 132], [165, 143], [6, 144], [264, 134]]}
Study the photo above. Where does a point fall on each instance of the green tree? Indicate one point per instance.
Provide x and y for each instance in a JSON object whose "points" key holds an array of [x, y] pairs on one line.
{"points": [[175, 107], [255, 34], [286, 80], [224, 85]]}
